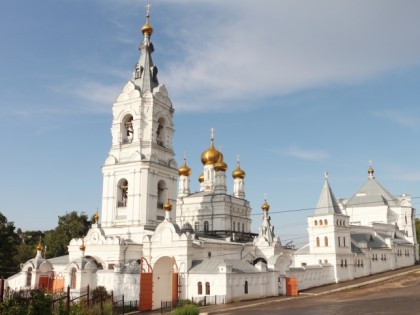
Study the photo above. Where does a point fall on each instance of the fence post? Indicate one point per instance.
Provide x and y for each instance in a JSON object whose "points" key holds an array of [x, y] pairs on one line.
{"points": [[1, 289], [123, 304], [68, 299], [88, 296]]}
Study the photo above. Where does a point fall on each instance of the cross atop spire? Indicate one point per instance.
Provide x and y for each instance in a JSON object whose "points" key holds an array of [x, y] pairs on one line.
{"points": [[148, 5]]}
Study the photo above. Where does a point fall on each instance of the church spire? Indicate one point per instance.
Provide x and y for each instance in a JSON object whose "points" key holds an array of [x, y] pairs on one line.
{"points": [[145, 72], [327, 203]]}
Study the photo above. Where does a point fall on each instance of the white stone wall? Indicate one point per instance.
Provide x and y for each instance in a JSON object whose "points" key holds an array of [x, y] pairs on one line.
{"points": [[312, 276]]}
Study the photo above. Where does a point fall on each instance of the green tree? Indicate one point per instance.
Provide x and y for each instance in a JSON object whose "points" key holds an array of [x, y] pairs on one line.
{"points": [[27, 248], [71, 225], [9, 241]]}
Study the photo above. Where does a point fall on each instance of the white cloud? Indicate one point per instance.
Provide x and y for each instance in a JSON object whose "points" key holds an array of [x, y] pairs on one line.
{"points": [[304, 154], [400, 118], [277, 47], [100, 95]]}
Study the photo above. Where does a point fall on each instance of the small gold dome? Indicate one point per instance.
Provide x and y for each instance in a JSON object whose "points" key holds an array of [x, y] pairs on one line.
{"points": [[220, 165], [238, 172], [39, 246], [167, 206], [184, 170], [370, 170], [210, 156], [201, 178], [82, 247], [265, 206], [147, 29], [96, 216]]}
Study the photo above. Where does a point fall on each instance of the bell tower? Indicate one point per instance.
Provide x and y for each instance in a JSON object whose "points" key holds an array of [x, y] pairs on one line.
{"points": [[140, 171]]}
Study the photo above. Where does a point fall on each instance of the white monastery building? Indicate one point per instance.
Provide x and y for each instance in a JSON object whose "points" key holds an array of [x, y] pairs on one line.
{"points": [[156, 240]]}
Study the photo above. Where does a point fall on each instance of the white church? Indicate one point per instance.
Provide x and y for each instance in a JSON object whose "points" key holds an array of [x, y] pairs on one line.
{"points": [[156, 240]]}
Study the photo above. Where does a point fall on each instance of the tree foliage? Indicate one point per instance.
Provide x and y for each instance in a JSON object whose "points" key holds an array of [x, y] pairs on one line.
{"points": [[9, 241], [27, 247], [71, 225]]}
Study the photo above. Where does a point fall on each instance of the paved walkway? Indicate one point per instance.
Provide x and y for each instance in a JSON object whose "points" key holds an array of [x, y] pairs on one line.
{"points": [[335, 287]]}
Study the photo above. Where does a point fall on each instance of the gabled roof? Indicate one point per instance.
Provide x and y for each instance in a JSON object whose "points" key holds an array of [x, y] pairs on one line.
{"points": [[372, 194], [212, 266], [372, 241], [327, 203]]}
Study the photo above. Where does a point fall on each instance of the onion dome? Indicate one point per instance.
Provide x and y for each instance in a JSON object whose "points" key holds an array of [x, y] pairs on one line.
{"points": [[220, 165], [39, 246], [82, 247], [265, 206], [167, 206], [238, 172], [147, 29], [184, 170], [210, 156], [370, 171], [201, 178], [96, 216]]}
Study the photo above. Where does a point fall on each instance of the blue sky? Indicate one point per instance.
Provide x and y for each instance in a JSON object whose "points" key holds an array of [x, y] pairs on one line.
{"points": [[295, 88]]}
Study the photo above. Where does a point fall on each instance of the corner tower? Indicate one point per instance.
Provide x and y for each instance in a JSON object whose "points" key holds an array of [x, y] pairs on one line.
{"points": [[140, 171]]}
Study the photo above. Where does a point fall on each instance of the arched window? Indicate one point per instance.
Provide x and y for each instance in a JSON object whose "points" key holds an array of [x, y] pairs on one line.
{"points": [[316, 222], [326, 241], [73, 278], [246, 287], [233, 226], [239, 227], [29, 277], [206, 226], [317, 242], [199, 288], [207, 288], [243, 227], [127, 129], [122, 194], [161, 194], [196, 226], [320, 222], [344, 241], [160, 132], [325, 222]]}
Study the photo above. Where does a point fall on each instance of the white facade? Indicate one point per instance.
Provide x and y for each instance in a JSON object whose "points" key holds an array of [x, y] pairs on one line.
{"points": [[157, 241], [359, 236]]}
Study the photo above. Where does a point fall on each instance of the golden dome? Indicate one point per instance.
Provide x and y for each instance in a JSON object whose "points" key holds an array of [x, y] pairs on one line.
{"points": [[201, 178], [96, 216], [184, 170], [82, 247], [370, 170], [39, 246], [265, 206], [167, 206], [210, 156], [220, 165], [147, 29], [238, 172]]}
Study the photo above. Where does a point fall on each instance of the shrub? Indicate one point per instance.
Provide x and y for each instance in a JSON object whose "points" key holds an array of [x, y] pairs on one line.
{"points": [[186, 309]]}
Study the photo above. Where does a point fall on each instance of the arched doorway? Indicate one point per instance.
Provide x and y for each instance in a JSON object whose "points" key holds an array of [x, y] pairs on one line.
{"points": [[165, 281]]}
